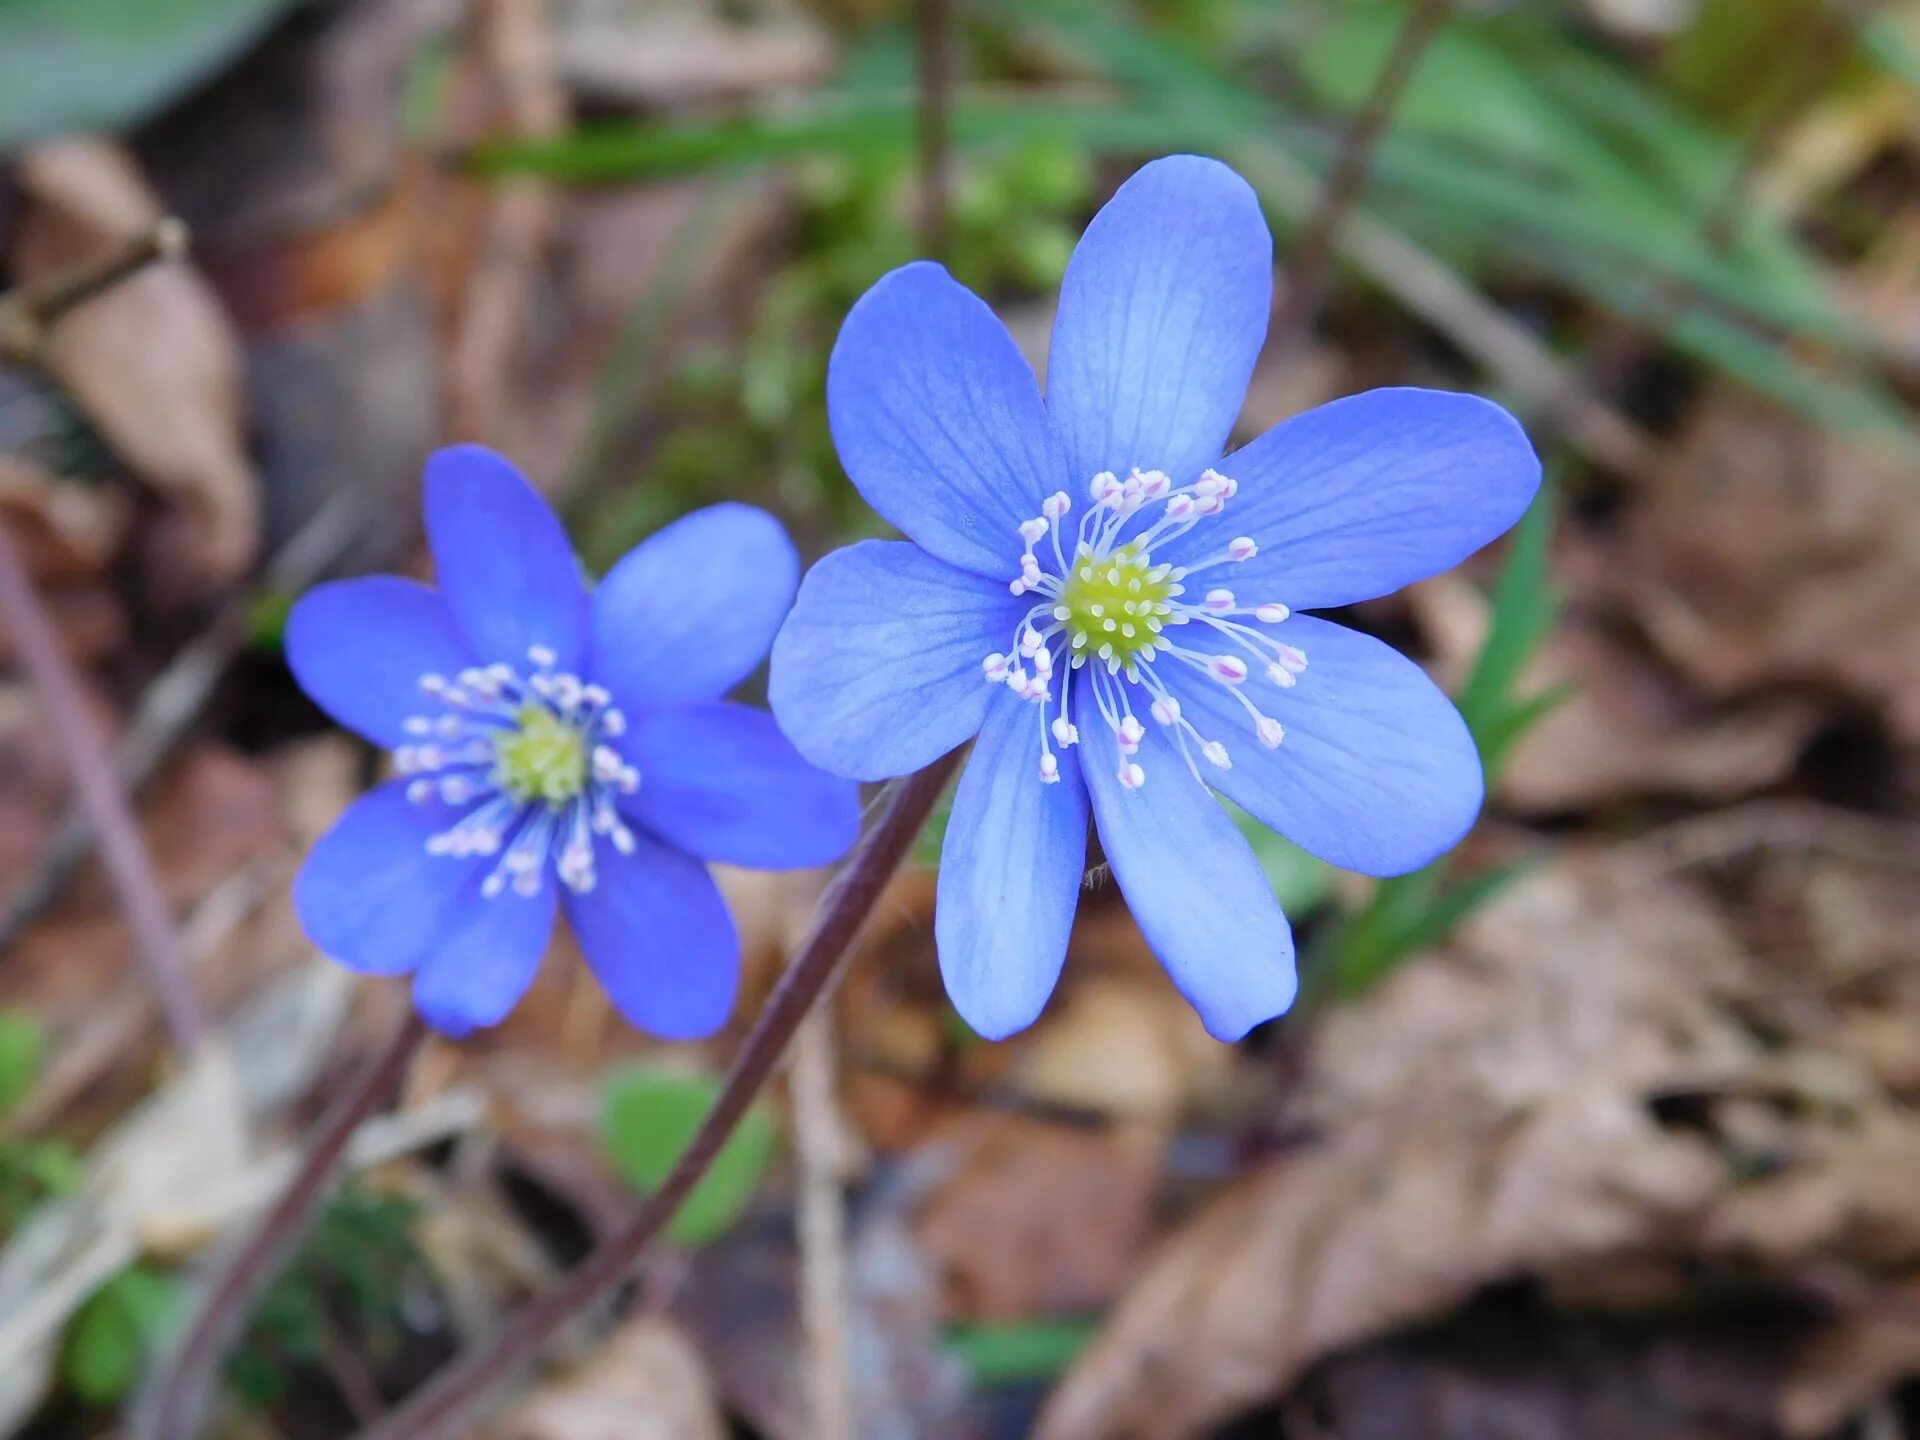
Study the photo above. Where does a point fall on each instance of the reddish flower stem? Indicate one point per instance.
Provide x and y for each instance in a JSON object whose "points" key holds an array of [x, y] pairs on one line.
{"points": [[434, 1408]]}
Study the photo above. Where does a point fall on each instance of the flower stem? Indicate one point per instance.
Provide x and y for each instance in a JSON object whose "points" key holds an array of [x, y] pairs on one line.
{"points": [[178, 1403], [122, 846], [843, 912]]}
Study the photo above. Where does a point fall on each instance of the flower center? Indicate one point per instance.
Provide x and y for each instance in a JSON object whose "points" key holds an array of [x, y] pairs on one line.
{"points": [[1110, 611], [1117, 604], [541, 758], [527, 754]]}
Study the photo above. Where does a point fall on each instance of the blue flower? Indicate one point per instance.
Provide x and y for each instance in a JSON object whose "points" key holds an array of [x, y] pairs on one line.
{"points": [[554, 749], [1112, 611]]}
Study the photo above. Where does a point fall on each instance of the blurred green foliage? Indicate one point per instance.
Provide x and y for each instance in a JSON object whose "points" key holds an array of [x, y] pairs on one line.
{"points": [[647, 1117], [30, 1170], [348, 1279], [112, 1337]]}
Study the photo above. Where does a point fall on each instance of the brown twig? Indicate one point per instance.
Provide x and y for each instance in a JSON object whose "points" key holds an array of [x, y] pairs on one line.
{"points": [[1310, 260], [122, 846], [934, 38], [178, 1405], [516, 44], [818, 1148], [27, 315], [179, 694], [843, 911]]}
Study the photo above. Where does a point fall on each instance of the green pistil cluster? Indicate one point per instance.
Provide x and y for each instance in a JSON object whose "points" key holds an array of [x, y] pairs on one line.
{"points": [[541, 758], [1120, 600]]}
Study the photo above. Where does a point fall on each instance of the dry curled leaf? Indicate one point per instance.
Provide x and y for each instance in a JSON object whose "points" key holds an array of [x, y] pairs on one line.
{"points": [[647, 1383], [152, 360], [1487, 1114], [1814, 584]]}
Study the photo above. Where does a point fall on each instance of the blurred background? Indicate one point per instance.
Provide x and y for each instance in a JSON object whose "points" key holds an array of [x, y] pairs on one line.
{"points": [[1606, 1126]]}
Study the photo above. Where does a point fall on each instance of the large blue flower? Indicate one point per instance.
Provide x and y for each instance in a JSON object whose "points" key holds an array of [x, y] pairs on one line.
{"points": [[1151, 651], [555, 749]]}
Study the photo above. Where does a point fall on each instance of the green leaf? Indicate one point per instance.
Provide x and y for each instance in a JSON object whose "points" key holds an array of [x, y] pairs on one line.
{"points": [[23, 1050], [1302, 882], [1022, 1353], [112, 1336], [70, 65], [647, 1116]]}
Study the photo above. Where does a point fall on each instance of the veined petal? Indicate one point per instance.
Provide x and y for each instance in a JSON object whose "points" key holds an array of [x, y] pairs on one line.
{"points": [[369, 894], [503, 560], [359, 648], [1010, 872], [485, 957], [720, 781], [661, 941], [1162, 314], [877, 670], [1377, 771], [1364, 495], [938, 421], [1196, 890], [689, 612]]}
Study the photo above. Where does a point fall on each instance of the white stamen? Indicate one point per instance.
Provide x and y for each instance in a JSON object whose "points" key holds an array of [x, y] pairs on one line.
{"points": [[1241, 547], [1130, 733], [1166, 710], [1270, 732], [1056, 505], [1216, 754], [1271, 614], [1230, 668], [1219, 600], [1132, 777], [994, 667], [1064, 733], [1049, 769]]}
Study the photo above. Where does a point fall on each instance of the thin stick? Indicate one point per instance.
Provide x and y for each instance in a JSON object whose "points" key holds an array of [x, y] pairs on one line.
{"points": [[1310, 260], [844, 909], [178, 695], [934, 34], [124, 849], [180, 1401], [27, 315], [823, 1231]]}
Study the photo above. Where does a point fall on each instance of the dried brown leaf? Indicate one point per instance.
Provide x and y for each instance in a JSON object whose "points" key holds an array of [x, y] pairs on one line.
{"points": [[153, 360], [647, 1383]]}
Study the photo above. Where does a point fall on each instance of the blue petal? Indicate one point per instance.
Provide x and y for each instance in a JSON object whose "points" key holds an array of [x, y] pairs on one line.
{"points": [[658, 935], [369, 894], [688, 613], [359, 648], [720, 781], [1010, 873], [485, 958], [1162, 314], [503, 560], [938, 420], [877, 670], [1193, 885], [1370, 493], [1377, 772]]}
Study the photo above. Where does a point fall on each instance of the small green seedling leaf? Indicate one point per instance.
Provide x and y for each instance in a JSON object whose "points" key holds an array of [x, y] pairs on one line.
{"points": [[1025, 1352], [647, 1116], [113, 1335], [23, 1049]]}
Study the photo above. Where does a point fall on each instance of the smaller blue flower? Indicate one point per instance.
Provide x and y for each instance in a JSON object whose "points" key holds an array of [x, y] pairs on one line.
{"points": [[557, 749], [1113, 610]]}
